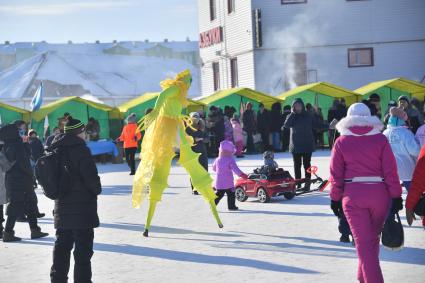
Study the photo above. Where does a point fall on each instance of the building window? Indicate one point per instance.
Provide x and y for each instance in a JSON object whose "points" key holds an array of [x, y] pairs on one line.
{"points": [[234, 72], [213, 10], [230, 6], [216, 75], [283, 2], [360, 57]]}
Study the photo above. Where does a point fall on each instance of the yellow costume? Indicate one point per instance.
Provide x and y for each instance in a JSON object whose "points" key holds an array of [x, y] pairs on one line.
{"points": [[162, 126]]}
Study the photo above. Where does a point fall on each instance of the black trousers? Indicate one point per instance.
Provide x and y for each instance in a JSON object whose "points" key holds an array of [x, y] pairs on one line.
{"points": [[302, 159], [230, 197], [11, 221], [1, 218], [343, 226], [130, 154], [83, 252], [285, 139], [250, 147], [265, 140]]}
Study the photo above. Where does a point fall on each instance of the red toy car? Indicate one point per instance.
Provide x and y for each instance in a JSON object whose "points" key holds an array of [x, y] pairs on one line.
{"points": [[274, 184]]}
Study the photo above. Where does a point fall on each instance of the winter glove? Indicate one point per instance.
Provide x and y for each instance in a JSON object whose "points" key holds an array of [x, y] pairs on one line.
{"points": [[397, 205], [244, 176], [336, 207]]}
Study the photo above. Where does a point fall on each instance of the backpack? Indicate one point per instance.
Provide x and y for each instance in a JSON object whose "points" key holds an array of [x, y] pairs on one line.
{"points": [[53, 173], [393, 234]]}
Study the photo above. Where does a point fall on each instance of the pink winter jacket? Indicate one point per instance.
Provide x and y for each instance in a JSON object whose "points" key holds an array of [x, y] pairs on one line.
{"points": [[225, 166], [362, 155]]}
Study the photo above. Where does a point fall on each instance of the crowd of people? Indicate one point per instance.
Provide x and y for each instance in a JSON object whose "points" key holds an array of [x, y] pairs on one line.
{"points": [[371, 161]]}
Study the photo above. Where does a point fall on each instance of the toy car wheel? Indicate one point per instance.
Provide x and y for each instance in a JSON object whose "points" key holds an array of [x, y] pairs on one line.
{"points": [[289, 195], [262, 195], [240, 194]]}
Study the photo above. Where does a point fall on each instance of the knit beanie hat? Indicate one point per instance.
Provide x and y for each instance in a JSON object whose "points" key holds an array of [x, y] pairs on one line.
{"points": [[132, 118], [358, 109], [74, 126]]}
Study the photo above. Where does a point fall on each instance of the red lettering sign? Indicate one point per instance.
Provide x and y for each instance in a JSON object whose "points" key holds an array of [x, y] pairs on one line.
{"points": [[210, 37]]}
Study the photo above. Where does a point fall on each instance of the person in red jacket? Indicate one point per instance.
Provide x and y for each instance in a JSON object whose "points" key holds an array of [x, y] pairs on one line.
{"points": [[131, 136], [417, 188]]}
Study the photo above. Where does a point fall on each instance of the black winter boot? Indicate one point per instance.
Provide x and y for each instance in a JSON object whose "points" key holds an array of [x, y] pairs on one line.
{"points": [[36, 233], [345, 239], [10, 237]]}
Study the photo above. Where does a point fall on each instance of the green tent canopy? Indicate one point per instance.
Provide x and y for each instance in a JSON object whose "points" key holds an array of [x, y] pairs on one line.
{"points": [[392, 89], [10, 113], [237, 96], [321, 94], [140, 104], [81, 109]]}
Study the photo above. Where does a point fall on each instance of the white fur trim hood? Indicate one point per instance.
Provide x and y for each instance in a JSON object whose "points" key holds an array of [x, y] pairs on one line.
{"points": [[346, 123]]}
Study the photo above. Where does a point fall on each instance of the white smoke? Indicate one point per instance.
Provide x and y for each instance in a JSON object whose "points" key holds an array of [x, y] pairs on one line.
{"points": [[308, 28]]}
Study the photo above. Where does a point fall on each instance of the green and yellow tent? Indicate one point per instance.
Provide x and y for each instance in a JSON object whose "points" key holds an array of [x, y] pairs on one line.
{"points": [[10, 113], [81, 109], [392, 89], [237, 96], [321, 94], [139, 105]]}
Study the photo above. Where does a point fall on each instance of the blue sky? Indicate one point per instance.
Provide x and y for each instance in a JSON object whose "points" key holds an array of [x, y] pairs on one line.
{"points": [[104, 20]]}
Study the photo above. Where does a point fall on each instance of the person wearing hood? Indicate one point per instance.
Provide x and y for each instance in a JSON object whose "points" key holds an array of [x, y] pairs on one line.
{"points": [[301, 145], [415, 119], [75, 212], [131, 136], [403, 145], [19, 184], [225, 166], [364, 180]]}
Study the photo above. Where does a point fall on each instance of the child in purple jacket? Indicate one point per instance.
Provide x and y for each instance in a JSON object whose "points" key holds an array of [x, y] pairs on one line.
{"points": [[225, 166]]}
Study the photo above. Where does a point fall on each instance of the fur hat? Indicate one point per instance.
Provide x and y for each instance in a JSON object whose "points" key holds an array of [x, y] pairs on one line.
{"points": [[227, 146], [74, 126], [358, 115], [398, 113]]}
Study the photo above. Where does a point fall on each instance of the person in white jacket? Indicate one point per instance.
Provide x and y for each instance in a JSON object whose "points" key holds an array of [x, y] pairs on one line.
{"points": [[403, 144]]}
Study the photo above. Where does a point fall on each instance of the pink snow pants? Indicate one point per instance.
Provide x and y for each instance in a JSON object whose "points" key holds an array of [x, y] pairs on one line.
{"points": [[239, 148], [366, 208]]}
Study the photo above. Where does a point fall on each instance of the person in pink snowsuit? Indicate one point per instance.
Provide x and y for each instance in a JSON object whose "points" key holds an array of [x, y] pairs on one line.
{"points": [[364, 176], [225, 166], [237, 135]]}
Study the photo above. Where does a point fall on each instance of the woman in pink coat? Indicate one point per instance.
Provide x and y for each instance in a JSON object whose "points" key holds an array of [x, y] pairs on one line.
{"points": [[364, 177], [225, 166]]}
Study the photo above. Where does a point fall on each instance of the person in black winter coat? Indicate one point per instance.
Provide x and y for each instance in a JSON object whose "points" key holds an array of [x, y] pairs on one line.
{"points": [[249, 126], [301, 123], [197, 132], [36, 148], [19, 185], [263, 125], [75, 213]]}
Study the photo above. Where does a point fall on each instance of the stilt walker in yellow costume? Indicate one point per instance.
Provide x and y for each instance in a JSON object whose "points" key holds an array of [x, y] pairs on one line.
{"points": [[162, 127]]}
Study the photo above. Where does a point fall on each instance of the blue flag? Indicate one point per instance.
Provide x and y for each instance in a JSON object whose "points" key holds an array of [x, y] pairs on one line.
{"points": [[37, 100]]}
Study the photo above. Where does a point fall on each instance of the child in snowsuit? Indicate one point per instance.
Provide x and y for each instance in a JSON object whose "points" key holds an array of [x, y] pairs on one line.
{"points": [[269, 164], [237, 135], [225, 166], [364, 176]]}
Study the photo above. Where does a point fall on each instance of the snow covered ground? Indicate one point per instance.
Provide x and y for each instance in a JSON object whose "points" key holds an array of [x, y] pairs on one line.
{"points": [[281, 241]]}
